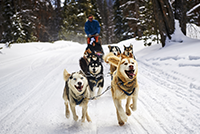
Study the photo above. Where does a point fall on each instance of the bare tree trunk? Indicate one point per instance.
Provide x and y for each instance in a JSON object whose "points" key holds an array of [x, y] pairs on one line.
{"points": [[180, 14], [165, 18]]}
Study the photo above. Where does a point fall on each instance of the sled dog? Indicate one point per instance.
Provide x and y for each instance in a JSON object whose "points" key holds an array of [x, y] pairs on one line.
{"points": [[128, 50], [94, 73], [124, 84], [116, 51], [76, 92]]}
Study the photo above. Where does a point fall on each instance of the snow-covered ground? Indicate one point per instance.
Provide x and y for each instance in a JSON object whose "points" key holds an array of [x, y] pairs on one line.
{"points": [[31, 87]]}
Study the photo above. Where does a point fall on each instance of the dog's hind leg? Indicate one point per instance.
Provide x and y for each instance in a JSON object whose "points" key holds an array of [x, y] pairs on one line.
{"points": [[75, 117], [128, 111], [67, 113]]}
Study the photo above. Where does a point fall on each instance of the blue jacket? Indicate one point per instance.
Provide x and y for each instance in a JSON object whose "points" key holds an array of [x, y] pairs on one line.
{"points": [[92, 27]]}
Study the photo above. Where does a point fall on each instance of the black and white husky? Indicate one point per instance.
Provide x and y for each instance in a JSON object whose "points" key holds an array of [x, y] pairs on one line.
{"points": [[114, 49], [94, 73]]}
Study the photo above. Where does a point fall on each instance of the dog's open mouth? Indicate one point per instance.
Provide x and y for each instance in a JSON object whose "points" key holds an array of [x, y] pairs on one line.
{"points": [[130, 73], [79, 88]]}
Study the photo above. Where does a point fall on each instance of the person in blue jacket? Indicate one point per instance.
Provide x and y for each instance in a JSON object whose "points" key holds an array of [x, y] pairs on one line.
{"points": [[92, 28]]}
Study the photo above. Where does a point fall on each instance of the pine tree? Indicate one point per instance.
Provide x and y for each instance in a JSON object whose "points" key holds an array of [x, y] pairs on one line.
{"points": [[118, 21], [95, 11], [148, 23], [105, 23], [75, 14], [18, 21], [8, 13]]}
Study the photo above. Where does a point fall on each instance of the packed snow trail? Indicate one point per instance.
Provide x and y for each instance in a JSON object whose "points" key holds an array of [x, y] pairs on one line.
{"points": [[31, 90]]}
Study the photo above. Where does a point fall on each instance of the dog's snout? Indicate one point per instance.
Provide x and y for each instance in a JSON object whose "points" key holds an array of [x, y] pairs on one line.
{"points": [[79, 83], [131, 67]]}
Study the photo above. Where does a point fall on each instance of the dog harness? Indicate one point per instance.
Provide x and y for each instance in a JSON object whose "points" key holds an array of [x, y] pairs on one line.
{"points": [[79, 101], [122, 85]]}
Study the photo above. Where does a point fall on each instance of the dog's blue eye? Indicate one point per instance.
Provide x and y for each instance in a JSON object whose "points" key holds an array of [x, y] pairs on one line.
{"points": [[81, 77], [74, 78]]}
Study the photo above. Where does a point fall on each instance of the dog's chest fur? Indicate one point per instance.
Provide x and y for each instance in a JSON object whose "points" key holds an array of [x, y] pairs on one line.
{"points": [[74, 98], [123, 89]]}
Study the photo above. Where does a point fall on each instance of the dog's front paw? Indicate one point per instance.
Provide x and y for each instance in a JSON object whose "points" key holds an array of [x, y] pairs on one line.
{"points": [[128, 112], [88, 119], [67, 114], [133, 107], [75, 118], [121, 123], [82, 120]]}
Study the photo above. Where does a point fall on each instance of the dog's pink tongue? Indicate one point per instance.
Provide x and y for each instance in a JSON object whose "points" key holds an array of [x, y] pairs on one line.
{"points": [[131, 74], [80, 88]]}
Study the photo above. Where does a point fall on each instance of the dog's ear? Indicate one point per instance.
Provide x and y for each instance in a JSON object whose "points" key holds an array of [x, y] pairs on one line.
{"points": [[131, 46], [119, 50], [112, 59], [83, 64], [124, 47], [105, 57], [109, 47], [66, 75], [81, 72]]}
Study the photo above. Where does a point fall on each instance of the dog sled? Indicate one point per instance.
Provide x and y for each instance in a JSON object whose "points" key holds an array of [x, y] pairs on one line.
{"points": [[94, 47]]}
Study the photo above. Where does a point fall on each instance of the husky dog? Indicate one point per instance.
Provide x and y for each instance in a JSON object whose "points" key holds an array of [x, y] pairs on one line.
{"points": [[76, 92], [128, 50], [94, 73], [114, 49], [124, 84]]}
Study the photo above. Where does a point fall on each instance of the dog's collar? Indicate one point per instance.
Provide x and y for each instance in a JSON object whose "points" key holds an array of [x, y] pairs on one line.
{"points": [[122, 85]]}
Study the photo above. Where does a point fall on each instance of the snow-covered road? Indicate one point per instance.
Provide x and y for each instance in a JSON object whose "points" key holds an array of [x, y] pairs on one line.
{"points": [[31, 87]]}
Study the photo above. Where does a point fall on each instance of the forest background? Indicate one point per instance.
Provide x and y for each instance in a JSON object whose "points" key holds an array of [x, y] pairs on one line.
{"points": [[51, 20]]}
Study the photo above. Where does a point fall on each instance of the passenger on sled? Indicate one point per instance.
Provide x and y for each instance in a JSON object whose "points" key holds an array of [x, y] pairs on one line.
{"points": [[92, 29]]}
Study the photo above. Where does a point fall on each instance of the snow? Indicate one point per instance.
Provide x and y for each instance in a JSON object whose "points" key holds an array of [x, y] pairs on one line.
{"points": [[31, 87]]}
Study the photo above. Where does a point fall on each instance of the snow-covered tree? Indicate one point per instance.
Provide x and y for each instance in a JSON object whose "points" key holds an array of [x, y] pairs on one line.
{"points": [[118, 21], [147, 23]]}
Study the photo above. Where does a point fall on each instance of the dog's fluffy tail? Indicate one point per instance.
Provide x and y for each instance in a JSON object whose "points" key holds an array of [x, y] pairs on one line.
{"points": [[111, 59], [66, 75]]}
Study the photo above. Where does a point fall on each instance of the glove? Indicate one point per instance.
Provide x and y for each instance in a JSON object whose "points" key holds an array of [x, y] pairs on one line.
{"points": [[89, 35], [96, 34]]}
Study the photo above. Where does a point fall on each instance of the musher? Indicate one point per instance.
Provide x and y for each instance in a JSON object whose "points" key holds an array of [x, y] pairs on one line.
{"points": [[92, 28]]}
